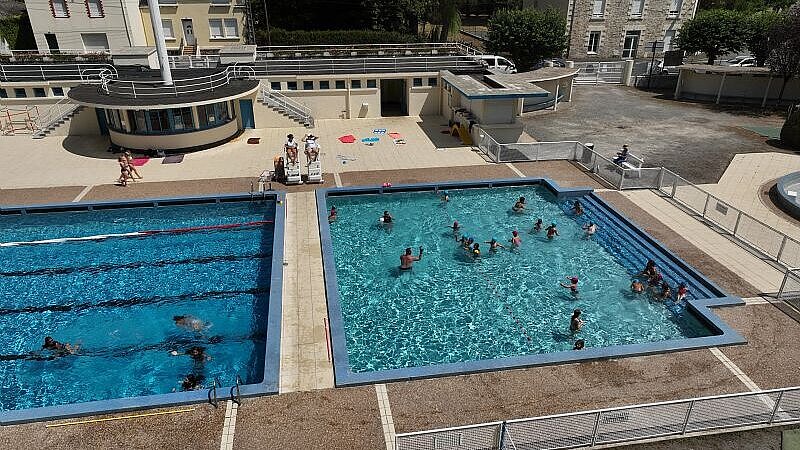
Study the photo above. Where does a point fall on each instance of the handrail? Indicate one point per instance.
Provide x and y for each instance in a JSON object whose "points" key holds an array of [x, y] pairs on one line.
{"points": [[276, 99], [111, 85], [213, 390], [86, 72], [238, 398], [56, 112]]}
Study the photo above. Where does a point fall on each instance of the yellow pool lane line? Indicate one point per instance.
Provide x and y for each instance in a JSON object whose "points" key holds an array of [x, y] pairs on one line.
{"points": [[107, 419]]}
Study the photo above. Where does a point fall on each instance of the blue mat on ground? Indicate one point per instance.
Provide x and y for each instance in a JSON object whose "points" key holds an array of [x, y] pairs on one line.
{"points": [[370, 140]]}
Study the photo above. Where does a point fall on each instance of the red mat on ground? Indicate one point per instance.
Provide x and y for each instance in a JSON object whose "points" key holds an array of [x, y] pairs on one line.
{"points": [[253, 140], [395, 136], [138, 162], [348, 139]]}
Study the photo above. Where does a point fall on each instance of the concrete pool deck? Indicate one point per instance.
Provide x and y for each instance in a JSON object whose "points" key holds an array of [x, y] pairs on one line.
{"points": [[348, 418]]}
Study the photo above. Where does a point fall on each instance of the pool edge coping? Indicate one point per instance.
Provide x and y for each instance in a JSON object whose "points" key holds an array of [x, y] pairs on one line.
{"points": [[270, 382], [341, 364]]}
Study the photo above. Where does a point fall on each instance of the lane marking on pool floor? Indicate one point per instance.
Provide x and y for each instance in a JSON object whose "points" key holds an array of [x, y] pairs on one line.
{"points": [[730, 365], [337, 179], [83, 193], [386, 415], [109, 419], [517, 171], [229, 426]]}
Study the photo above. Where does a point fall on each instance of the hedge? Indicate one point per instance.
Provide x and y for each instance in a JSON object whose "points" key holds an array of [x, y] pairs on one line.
{"points": [[334, 37]]}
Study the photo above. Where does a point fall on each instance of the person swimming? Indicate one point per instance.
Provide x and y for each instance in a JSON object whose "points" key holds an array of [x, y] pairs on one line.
{"points": [[456, 228], [519, 206], [333, 215], [577, 208], [537, 227], [192, 382], [579, 344], [683, 290], [494, 245], [387, 218], [666, 291], [650, 269], [590, 229], [476, 250], [189, 323], [467, 244], [58, 347], [407, 259], [575, 322], [572, 286], [515, 240], [552, 231], [637, 286], [445, 196]]}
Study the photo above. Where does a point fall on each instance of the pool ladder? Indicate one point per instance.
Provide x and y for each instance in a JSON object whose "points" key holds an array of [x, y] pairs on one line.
{"points": [[261, 192], [236, 398], [212, 392]]}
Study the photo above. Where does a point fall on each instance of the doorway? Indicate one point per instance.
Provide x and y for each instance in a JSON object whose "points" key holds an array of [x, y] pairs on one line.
{"points": [[246, 108], [188, 32], [394, 101], [52, 42]]}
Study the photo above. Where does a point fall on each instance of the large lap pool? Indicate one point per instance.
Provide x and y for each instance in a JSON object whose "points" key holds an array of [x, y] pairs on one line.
{"points": [[454, 313], [110, 282]]}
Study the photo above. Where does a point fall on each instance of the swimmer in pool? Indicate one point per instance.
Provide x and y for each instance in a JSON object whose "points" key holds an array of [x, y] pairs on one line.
{"points": [[445, 197], [577, 208], [515, 240], [387, 218], [575, 322], [572, 286], [468, 243], [192, 382], [476, 250], [456, 228], [333, 215], [519, 206], [666, 291], [590, 229], [650, 269], [552, 231], [191, 323], [579, 344], [494, 245], [537, 227], [637, 287], [682, 291], [58, 347], [407, 259]]}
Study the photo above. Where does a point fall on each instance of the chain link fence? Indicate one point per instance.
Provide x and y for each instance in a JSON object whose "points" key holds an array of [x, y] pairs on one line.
{"points": [[627, 424]]}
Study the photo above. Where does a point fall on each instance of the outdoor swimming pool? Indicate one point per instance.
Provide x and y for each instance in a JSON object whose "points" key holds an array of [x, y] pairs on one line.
{"points": [[115, 298], [455, 313]]}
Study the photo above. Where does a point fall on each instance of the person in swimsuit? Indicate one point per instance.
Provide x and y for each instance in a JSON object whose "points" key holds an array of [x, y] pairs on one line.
{"points": [[579, 344], [575, 322], [572, 286], [57, 347], [519, 206], [468, 243], [637, 287], [280, 169], [552, 231], [655, 280], [387, 218], [190, 323], [666, 291], [124, 171], [456, 228], [333, 215], [650, 270], [683, 290], [407, 259], [476, 250], [445, 196], [192, 382], [494, 245], [577, 208], [537, 227], [590, 229], [291, 149], [515, 240], [131, 167]]}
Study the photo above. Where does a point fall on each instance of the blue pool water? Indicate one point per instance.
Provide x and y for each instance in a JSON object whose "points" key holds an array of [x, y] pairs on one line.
{"points": [[116, 298], [453, 308]]}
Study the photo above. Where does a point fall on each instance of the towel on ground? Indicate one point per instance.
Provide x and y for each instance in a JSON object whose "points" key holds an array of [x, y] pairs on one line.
{"points": [[347, 139]]}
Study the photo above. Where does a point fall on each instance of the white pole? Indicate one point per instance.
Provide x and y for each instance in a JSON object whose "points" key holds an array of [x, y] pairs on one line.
{"points": [[766, 92], [555, 100], [161, 46], [721, 84]]}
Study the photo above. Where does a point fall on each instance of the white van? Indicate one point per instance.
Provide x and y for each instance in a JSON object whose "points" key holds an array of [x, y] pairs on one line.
{"points": [[498, 63]]}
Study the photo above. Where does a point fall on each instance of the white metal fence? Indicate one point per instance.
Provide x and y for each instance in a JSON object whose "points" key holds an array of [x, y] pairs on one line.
{"points": [[617, 425], [608, 72]]}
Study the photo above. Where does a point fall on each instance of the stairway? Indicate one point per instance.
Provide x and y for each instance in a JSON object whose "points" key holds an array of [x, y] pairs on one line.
{"points": [[189, 50], [50, 127], [288, 108]]}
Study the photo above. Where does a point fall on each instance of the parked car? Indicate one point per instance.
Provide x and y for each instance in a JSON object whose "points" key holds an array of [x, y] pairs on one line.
{"points": [[498, 63], [741, 61], [550, 62]]}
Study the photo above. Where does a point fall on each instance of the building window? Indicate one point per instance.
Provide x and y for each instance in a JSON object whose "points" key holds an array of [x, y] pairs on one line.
{"points": [[598, 8], [637, 8], [594, 42], [308, 85], [324, 84], [631, 44], [433, 81], [39, 92], [675, 8], [113, 120], [355, 84], [213, 115], [20, 93], [58, 91], [340, 84], [669, 40], [59, 8], [137, 121], [417, 82], [94, 41], [158, 120], [166, 26], [372, 83], [223, 28], [182, 118], [275, 85], [3, 93], [291, 85], [95, 8]]}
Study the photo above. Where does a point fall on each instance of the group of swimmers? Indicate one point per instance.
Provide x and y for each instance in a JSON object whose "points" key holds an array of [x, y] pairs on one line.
{"points": [[194, 379], [657, 286]]}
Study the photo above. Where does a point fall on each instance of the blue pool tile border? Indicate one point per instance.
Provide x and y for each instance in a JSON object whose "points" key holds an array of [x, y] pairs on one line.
{"points": [[269, 384], [724, 334]]}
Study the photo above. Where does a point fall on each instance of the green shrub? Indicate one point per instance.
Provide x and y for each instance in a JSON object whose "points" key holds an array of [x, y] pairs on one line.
{"points": [[333, 37]]}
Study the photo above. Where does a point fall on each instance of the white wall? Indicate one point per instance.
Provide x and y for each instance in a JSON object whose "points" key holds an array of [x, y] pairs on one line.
{"points": [[175, 141], [739, 88], [424, 101]]}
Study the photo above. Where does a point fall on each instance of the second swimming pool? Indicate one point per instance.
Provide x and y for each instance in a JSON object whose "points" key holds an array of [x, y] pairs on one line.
{"points": [[454, 308]]}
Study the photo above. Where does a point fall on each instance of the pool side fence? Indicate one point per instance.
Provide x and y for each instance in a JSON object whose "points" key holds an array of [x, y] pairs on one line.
{"points": [[609, 427], [774, 245]]}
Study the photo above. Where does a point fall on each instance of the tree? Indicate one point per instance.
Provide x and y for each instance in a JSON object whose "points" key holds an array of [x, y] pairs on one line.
{"points": [[784, 58], [528, 35], [759, 31], [714, 33]]}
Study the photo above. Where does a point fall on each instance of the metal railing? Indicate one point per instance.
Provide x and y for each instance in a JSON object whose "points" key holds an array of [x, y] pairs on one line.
{"points": [[18, 120], [606, 72], [790, 287], [84, 72], [292, 107], [111, 85], [362, 65], [627, 424], [54, 114], [316, 51], [193, 62]]}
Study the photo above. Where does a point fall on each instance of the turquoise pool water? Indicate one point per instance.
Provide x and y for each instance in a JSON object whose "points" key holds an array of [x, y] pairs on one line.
{"points": [[453, 308], [115, 298]]}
